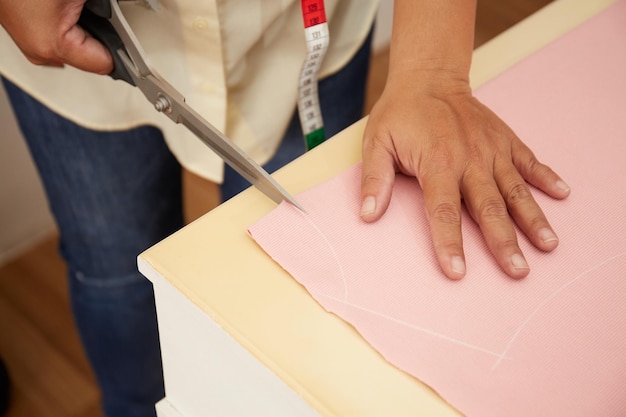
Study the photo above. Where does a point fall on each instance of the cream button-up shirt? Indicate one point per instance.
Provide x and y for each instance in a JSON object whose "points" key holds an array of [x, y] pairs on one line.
{"points": [[236, 62]]}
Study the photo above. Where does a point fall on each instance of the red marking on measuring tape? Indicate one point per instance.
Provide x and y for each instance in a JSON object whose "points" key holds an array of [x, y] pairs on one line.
{"points": [[313, 12]]}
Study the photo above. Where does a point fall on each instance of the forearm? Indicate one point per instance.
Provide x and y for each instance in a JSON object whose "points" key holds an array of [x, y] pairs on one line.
{"points": [[433, 37]]}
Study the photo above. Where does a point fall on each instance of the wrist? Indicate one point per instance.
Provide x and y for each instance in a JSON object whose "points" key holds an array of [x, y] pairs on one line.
{"points": [[437, 81]]}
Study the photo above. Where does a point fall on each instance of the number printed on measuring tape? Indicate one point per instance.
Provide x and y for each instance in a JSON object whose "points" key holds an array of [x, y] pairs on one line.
{"points": [[317, 39]]}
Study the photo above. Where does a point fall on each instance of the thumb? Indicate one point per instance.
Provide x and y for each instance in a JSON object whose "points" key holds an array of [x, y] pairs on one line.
{"points": [[81, 50], [377, 178]]}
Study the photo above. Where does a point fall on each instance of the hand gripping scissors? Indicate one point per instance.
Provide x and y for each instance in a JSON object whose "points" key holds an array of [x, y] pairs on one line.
{"points": [[104, 20]]}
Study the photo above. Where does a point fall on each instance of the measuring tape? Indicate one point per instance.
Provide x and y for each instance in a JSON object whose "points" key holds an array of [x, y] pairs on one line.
{"points": [[317, 38]]}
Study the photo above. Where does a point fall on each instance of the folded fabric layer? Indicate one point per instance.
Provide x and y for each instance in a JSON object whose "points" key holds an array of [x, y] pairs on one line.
{"points": [[551, 344]]}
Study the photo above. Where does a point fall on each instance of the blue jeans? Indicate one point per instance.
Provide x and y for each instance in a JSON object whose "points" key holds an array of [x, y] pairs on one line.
{"points": [[113, 195]]}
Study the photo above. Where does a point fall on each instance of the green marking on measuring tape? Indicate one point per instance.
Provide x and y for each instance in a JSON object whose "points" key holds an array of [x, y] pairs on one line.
{"points": [[315, 138]]}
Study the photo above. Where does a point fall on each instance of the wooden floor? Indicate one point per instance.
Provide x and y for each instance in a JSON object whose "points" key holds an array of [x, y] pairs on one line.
{"points": [[49, 372]]}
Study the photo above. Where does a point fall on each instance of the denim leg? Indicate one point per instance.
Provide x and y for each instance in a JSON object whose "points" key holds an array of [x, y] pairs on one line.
{"points": [[113, 194], [342, 100]]}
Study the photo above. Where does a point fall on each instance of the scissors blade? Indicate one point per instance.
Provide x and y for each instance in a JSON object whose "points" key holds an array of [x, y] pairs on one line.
{"points": [[169, 101], [233, 156]]}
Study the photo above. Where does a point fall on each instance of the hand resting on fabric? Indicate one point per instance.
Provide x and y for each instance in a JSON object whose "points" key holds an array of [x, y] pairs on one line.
{"points": [[428, 125], [458, 150]]}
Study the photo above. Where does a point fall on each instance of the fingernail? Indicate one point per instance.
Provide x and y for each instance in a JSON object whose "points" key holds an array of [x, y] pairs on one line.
{"points": [[547, 235], [519, 262], [562, 186], [369, 206], [458, 265]]}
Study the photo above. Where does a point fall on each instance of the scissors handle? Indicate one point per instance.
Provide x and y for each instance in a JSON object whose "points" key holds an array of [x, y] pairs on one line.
{"points": [[95, 19], [100, 8]]}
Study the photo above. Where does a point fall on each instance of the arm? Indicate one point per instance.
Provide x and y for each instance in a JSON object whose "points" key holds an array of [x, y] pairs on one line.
{"points": [[47, 34], [428, 125]]}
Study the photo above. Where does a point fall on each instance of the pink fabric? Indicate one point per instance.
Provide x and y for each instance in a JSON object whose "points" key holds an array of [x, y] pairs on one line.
{"points": [[553, 344]]}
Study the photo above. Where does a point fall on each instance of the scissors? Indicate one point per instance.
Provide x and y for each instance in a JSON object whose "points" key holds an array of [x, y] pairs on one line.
{"points": [[104, 20]]}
